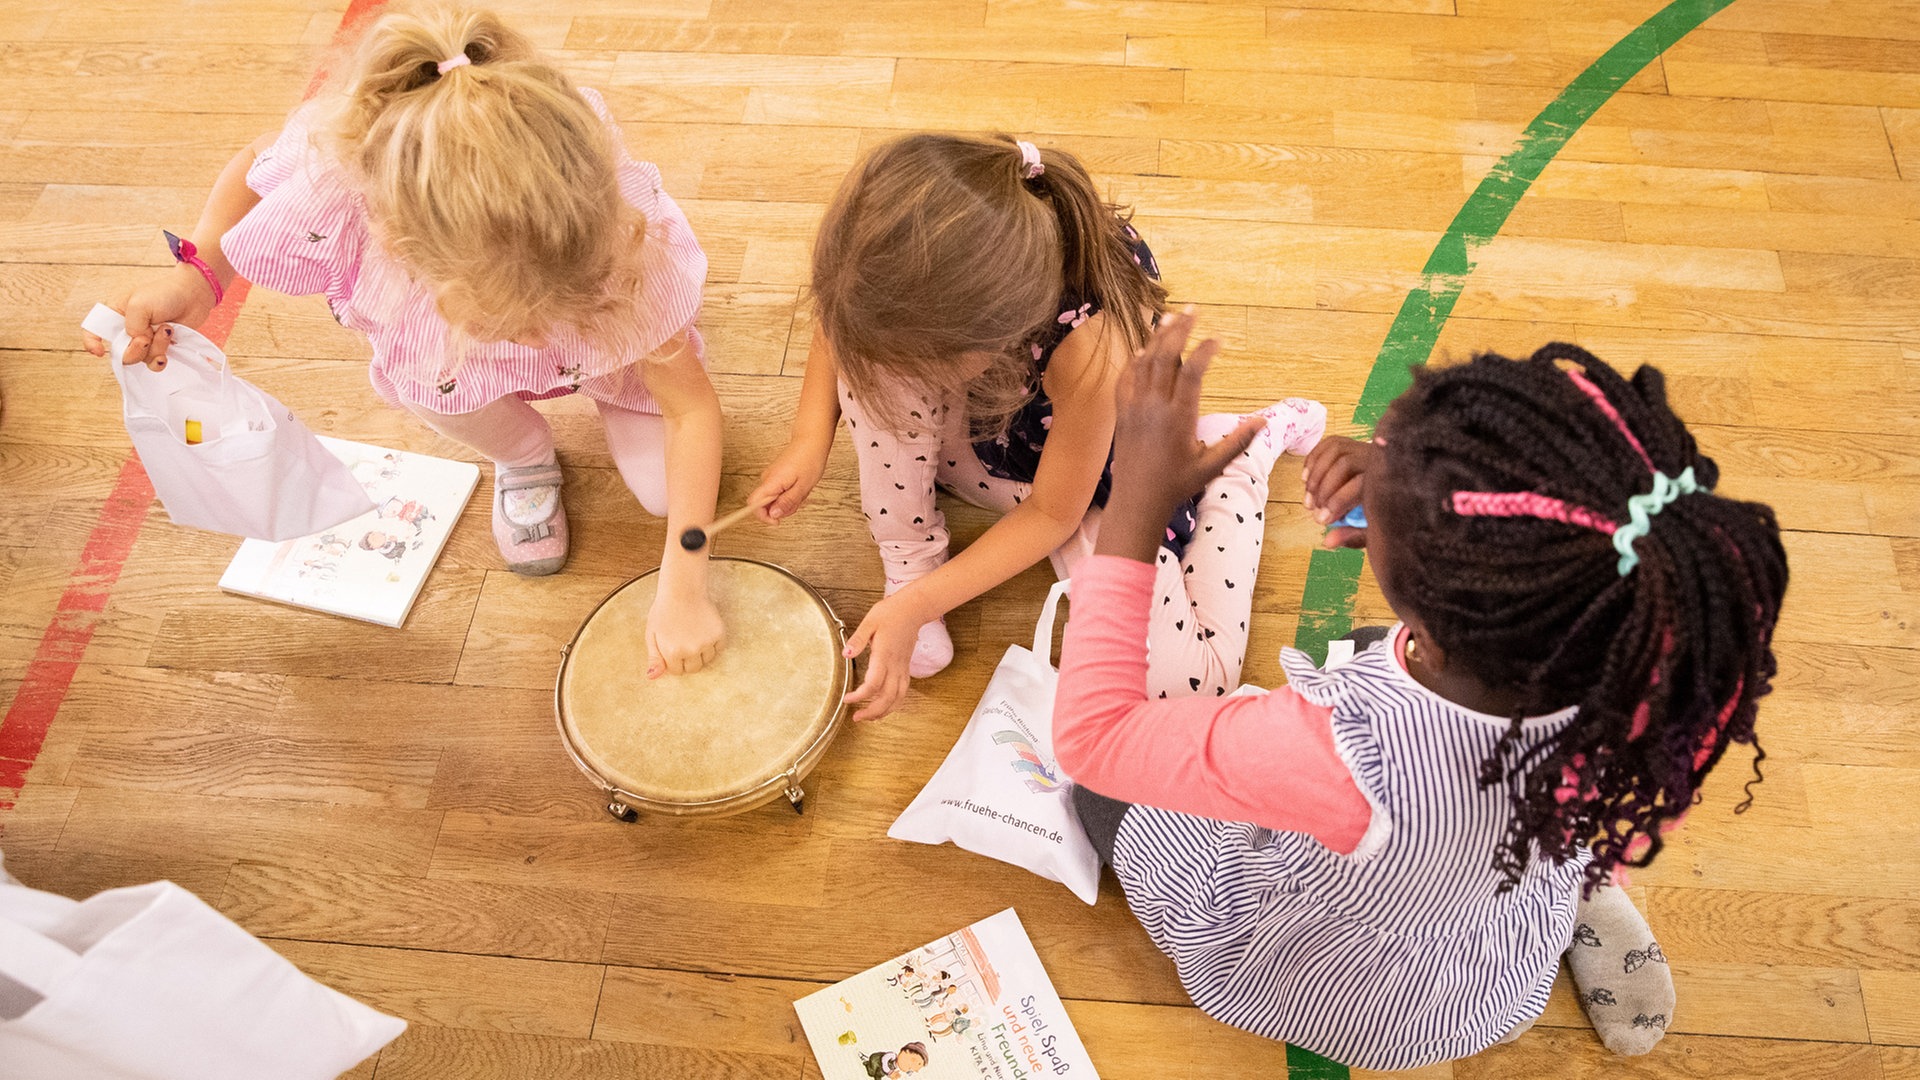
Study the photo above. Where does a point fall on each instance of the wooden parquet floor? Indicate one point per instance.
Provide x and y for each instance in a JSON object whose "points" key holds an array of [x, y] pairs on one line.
{"points": [[392, 810]]}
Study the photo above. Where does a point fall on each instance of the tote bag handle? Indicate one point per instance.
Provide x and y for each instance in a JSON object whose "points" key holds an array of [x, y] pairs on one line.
{"points": [[1043, 630], [33, 960], [110, 325]]}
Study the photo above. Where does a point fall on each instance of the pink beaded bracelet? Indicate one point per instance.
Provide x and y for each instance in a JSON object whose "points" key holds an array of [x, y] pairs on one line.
{"points": [[184, 251]]}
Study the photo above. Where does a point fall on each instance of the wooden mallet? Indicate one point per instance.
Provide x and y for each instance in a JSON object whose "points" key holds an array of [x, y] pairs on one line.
{"points": [[696, 538]]}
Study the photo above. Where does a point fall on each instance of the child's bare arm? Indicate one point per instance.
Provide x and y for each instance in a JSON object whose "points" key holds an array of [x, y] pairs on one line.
{"points": [[684, 631], [1080, 382], [790, 478], [180, 294]]}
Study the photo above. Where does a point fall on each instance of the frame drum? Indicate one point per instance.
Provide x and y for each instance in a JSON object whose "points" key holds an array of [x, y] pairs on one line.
{"points": [[733, 736]]}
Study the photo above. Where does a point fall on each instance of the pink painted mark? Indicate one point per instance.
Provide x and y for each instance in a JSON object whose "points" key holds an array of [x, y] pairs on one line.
{"points": [[43, 689]]}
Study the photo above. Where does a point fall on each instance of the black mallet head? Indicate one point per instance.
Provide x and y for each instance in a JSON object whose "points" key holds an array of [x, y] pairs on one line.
{"points": [[693, 539]]}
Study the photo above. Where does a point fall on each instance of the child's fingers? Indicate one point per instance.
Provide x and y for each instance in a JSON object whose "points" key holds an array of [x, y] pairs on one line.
{"points": [[1346, 536], [656, 667], [773, 493], [93, 343], [857, 644], [1215, 457], [1192, 374], [1325, 478], [885, 700], [1324, 453], [162, 338], [1345, 498], [1160, 363]]}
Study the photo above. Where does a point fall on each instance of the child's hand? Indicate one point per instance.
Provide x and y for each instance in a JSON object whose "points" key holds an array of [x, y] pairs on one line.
{"points": [[889, 631], [786, 483], [1157, 462], [684, 634], [1336, 476], [179, 296]]}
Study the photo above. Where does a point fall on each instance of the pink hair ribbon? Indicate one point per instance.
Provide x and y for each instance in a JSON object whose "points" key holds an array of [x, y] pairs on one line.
{"points": [[454, 61], [1527, 504], [1606, 408]]}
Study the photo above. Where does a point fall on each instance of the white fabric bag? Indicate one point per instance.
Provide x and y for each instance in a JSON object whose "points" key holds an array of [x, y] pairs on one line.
{"points": [[149, 983], [257, 470], [1000, 792]]}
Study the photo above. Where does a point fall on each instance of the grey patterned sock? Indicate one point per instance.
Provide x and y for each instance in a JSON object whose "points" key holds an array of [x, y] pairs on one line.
{"points": [[1623, 978]]}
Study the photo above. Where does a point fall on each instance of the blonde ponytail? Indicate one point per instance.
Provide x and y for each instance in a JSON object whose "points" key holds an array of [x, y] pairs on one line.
{"points": [[493, 181]]}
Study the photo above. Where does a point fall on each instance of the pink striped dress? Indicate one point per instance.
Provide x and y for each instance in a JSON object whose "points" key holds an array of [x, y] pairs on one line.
{"points": [[309, 234]]}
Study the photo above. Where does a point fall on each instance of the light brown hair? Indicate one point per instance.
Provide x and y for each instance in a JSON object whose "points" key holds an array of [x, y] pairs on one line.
{"points": [[494, 183], [937, 246]]}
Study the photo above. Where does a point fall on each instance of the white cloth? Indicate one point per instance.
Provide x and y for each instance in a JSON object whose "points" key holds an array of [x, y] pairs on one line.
{"points": [[1000, 792], [256, 472], [149, 983]]}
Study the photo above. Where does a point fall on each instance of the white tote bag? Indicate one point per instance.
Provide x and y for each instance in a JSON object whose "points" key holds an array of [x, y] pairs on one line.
{"points": [[1000, 793], [256, 471], [149, 983]]}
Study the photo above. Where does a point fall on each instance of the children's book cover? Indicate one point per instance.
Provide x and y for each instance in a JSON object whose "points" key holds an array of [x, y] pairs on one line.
{"points": [[974, 1005], [372, 567]]}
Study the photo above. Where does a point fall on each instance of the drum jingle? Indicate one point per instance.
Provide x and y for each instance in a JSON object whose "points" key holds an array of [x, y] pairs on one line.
{"points": [[734, 736]]}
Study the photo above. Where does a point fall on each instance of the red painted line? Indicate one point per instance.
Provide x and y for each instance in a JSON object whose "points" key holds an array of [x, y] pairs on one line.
{"points": [[43, 689]]}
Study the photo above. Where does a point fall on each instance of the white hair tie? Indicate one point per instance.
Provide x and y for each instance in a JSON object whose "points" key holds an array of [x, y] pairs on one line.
{"points": [[1030, 156], [454, 61]]}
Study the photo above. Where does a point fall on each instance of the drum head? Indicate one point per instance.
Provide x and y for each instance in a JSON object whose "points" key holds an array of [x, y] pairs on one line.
{"points": [[748, 718]]}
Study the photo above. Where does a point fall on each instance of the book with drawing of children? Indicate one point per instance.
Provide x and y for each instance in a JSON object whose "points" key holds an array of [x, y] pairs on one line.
{"points": [[974, 1005], [372, 567]]}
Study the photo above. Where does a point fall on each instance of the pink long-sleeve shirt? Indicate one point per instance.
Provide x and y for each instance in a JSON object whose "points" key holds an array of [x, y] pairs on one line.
{"points": [[1268, 759]]}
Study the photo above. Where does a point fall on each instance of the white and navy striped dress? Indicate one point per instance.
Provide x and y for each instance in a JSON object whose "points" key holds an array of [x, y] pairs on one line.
{"points": [[1399, 955]]}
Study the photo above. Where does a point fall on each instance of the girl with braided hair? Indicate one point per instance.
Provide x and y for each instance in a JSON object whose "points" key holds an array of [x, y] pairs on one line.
{"points": [[1384, 861]]}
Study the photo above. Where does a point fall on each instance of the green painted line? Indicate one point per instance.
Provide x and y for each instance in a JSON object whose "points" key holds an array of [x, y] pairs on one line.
{"points": [[1326, 604]]}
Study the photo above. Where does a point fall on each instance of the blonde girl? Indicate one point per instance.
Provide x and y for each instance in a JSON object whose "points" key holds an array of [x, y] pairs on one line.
{"points": [[460, 201], [975, 300]]}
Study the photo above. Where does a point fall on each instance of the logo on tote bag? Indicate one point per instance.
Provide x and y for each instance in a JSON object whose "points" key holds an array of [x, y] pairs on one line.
{"points": [[1033, 770]]}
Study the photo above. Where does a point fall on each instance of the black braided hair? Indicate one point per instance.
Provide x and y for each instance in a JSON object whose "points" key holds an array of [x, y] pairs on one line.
{"points": [[1538, 605]]}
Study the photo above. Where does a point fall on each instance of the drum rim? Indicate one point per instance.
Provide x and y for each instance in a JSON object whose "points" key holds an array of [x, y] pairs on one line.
{"points": [[759, 793]]}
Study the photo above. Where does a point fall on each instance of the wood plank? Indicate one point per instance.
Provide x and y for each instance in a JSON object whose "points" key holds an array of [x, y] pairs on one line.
{"points": [[37, 818], [433, 1053], [105, 78], [1721, 927], [1899, 1062], [1577, 1055], [82, 874], [532, 922], [692, 1011], [699, 860], [1089, 952], [1750, 1000], [1141, 1042], [483, 993], [1792, 82], [140, 824], [1903, 131], [853, 38], [1890, 997], [1040, 18]]}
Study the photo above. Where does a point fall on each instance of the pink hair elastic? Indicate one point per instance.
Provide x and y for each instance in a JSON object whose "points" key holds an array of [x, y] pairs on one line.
{"points": [[1030, 158], [454, 61]]}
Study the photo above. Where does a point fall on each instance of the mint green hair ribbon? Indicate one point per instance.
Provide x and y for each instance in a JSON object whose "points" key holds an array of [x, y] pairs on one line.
{"points": [[1641, 508]]}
